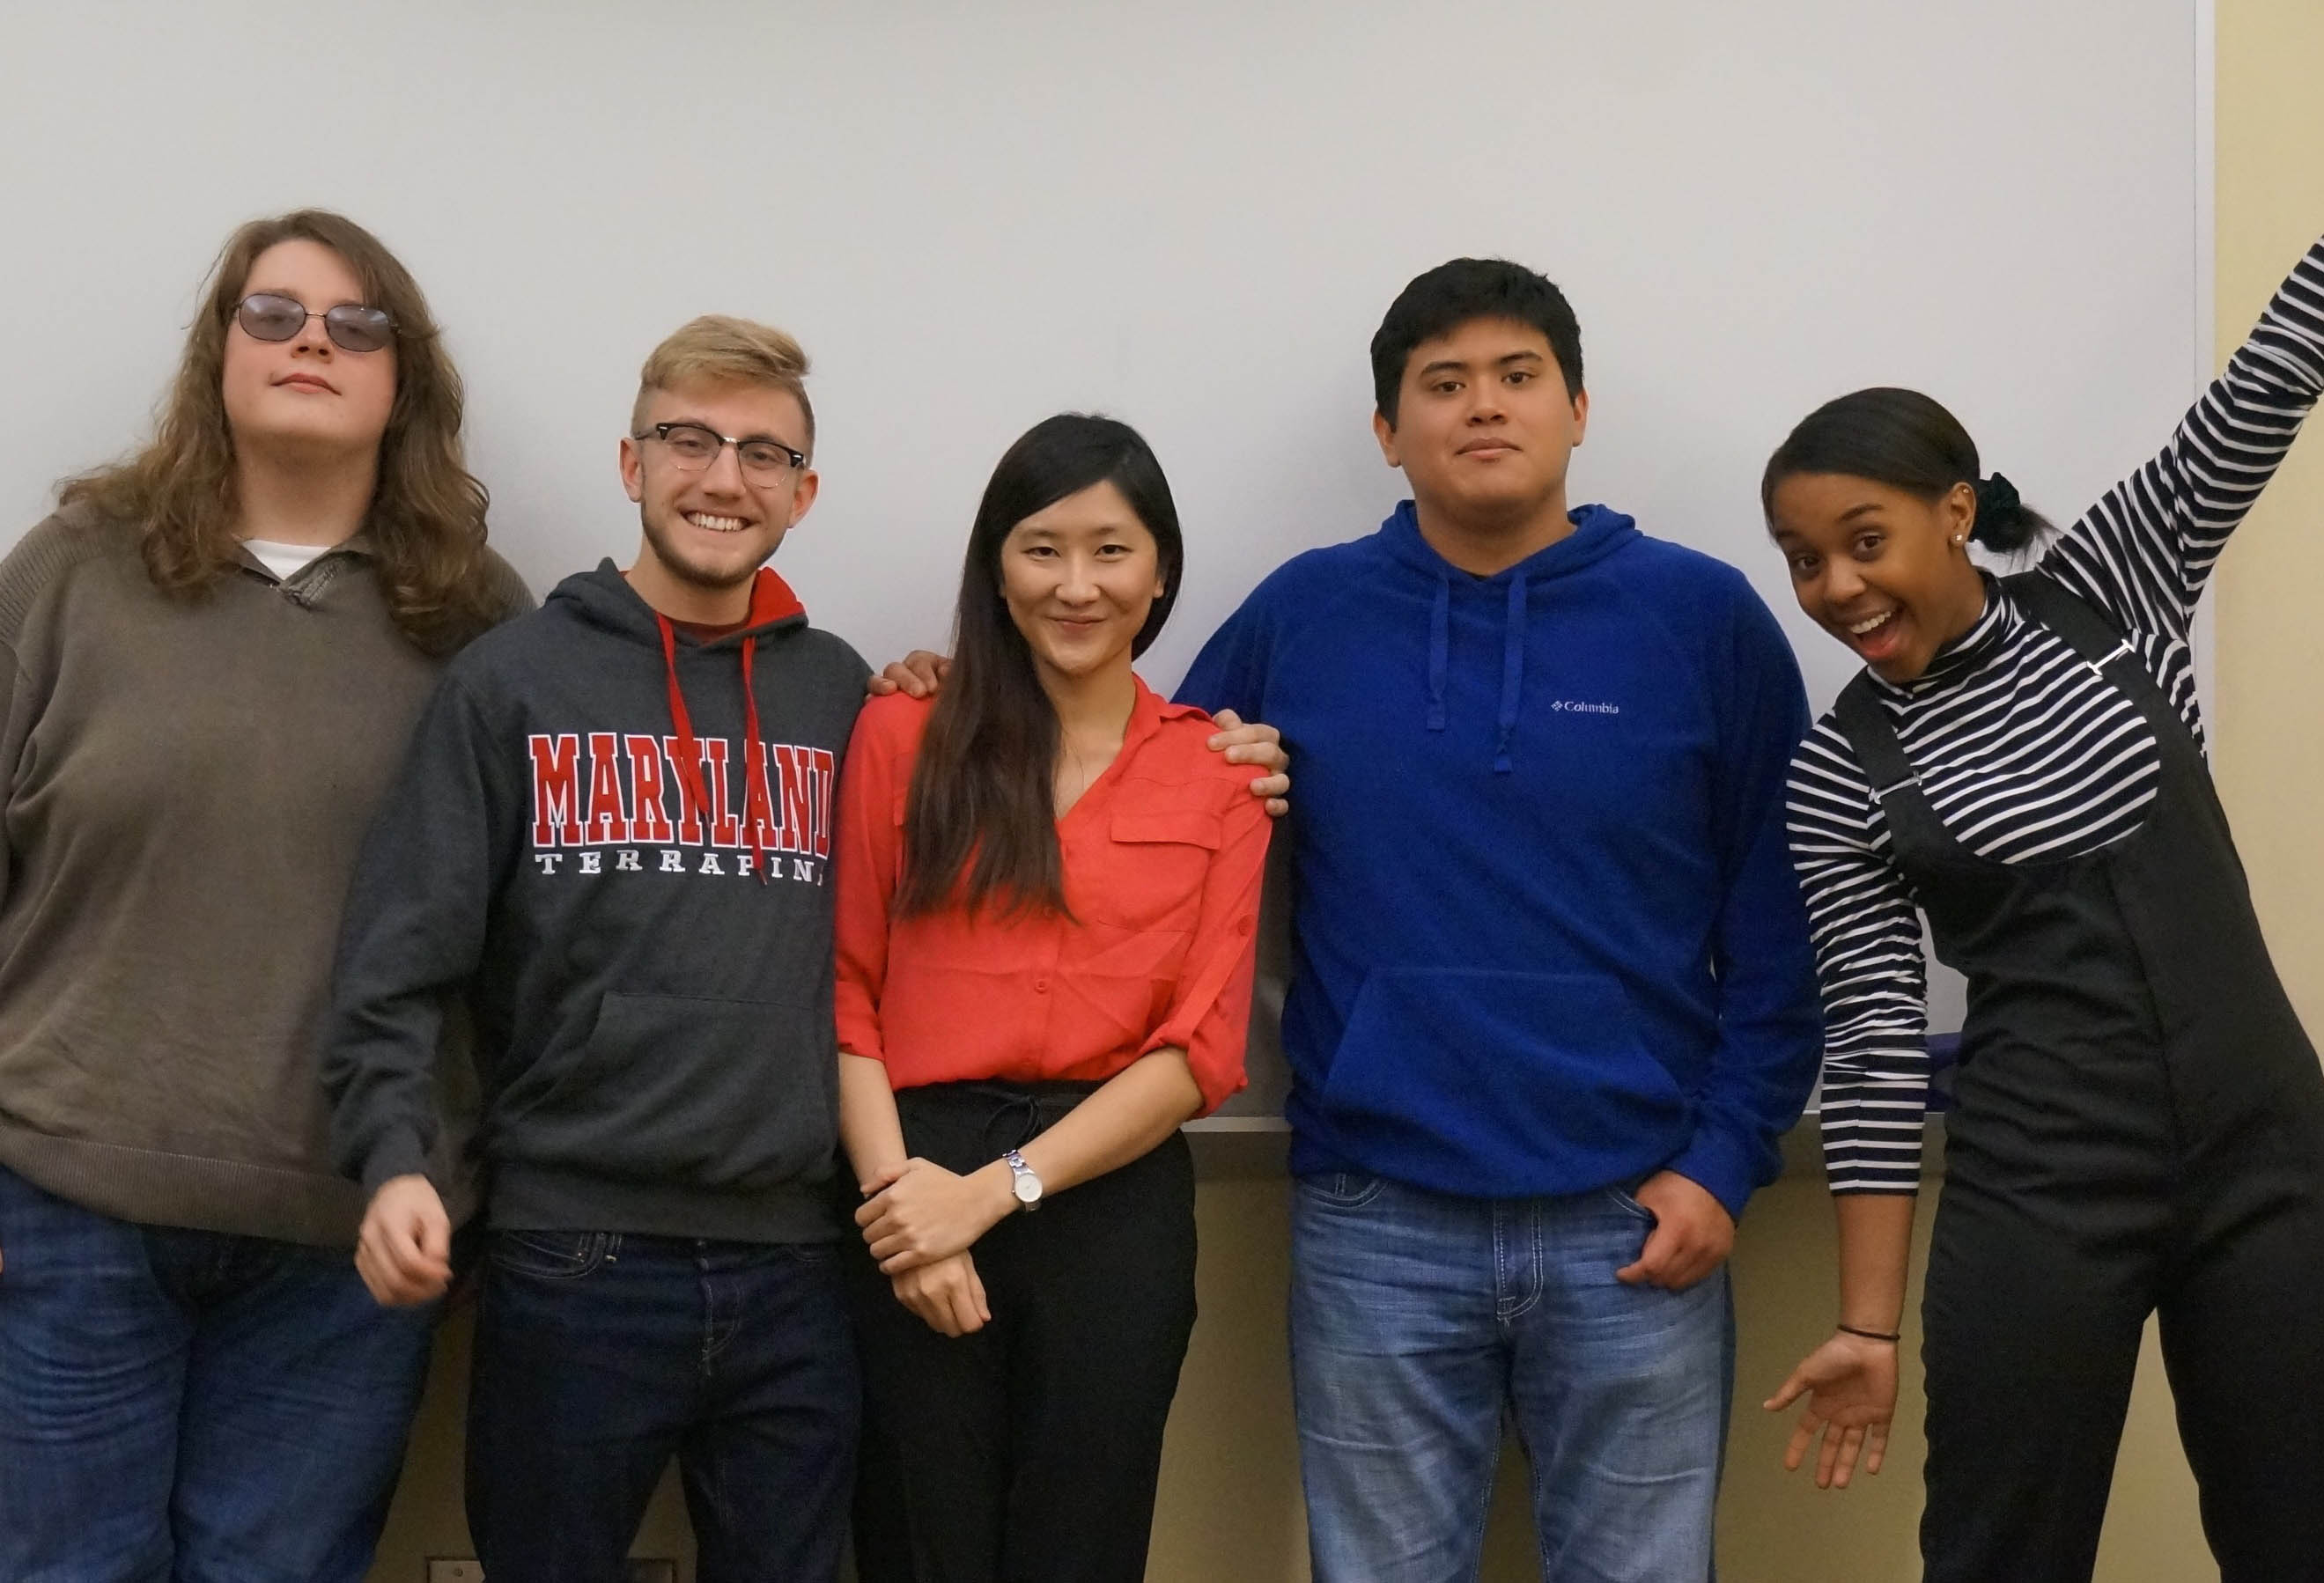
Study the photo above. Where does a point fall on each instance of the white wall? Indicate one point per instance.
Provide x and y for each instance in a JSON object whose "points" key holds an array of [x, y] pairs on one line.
{"points": [[1191, 216]]}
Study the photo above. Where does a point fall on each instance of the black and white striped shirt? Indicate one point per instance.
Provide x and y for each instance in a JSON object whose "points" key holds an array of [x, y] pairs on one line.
{"points": [[2024, 752]]}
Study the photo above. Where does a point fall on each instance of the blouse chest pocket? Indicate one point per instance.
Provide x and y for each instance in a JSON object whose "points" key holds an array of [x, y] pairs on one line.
{"points": [[1148, 872]]}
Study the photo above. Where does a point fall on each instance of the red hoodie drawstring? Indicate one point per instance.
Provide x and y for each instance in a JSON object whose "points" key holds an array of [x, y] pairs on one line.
{"points": [[689, 754], [758, 802], [758, 797]]}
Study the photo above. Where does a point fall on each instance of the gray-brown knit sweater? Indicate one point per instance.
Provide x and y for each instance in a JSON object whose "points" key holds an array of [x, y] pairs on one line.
{"points": [[187, 784]]}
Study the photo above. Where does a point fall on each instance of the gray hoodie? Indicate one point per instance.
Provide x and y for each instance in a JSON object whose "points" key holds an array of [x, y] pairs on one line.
{"points": [[614, 840]]}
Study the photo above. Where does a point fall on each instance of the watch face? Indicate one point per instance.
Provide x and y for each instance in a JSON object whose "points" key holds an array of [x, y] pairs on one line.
{"points": [[1028, 1189]]}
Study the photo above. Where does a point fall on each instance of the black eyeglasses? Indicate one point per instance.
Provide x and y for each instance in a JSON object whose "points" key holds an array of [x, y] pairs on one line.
{"points": [[353, 328], [693, 447]]}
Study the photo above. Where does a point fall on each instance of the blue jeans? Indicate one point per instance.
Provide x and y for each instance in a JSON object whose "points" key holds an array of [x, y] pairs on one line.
{"points": [[600, 1355], [190, 1405], [1419, 1321]]}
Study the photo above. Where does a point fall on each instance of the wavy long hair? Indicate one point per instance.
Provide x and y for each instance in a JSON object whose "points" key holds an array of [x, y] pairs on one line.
{"points": [[981, 823], [426, 516]]}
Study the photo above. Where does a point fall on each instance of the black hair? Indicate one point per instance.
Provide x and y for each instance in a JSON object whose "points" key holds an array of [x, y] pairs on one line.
{"points": [[1907, 441], [983, 796], [1453, 294]]}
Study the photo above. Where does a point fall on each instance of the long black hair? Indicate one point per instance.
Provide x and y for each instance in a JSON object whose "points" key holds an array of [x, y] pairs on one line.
{"points": [[983, 796], [1907, 441]]}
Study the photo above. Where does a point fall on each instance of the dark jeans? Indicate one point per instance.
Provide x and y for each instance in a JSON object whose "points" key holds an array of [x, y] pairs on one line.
{"points": [[190, 1405], [1028, 1451], [601, 1355]]}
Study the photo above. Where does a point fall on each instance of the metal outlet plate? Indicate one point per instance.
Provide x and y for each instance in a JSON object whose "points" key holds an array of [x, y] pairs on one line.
{"points": [[469, 1569]]}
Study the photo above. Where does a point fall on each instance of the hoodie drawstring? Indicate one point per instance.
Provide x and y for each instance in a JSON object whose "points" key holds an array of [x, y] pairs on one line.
{"points": [[1440, 642], [1513, 648], [758, 797], [758, 806]]}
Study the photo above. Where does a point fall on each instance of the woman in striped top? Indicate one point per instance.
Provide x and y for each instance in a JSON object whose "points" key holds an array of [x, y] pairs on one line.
{"points": [[2139, 1120]]}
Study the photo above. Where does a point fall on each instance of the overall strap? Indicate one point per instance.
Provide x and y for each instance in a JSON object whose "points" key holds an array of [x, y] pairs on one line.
{"points": [[1919, 838], [2086, 630], [2108, 651], [2092, 634], [1859, 718]]}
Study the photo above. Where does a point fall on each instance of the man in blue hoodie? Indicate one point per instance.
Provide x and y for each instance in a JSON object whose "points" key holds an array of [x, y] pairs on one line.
{"points": [[1552, 1000]]}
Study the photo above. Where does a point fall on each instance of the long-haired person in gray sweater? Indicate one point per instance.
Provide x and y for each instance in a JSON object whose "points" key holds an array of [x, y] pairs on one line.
{"points": [[216, 649]]}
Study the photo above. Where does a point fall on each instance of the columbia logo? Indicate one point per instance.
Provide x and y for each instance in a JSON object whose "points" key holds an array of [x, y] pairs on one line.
{"points": [[1576, 706]]}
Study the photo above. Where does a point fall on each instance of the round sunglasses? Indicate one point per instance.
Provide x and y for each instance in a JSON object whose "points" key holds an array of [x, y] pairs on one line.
{"points": [[353, 328]]}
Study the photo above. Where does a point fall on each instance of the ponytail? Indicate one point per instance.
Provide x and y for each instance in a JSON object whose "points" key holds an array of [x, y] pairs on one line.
{"points": [[2004, 522]]}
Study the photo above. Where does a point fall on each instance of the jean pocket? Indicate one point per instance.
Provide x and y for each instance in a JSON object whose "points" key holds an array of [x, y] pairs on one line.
{"points": [[550, 1256], [1343, 1189], [1626, 1202]]}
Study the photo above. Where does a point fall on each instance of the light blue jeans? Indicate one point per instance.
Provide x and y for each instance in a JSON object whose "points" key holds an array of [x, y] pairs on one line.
{"points": [[1419, 1321]]}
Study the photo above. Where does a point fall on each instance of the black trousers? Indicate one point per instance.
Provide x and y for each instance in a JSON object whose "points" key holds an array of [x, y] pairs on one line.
{"points": [[2139, 1130], [2072, 1208], [1028, 1452]]}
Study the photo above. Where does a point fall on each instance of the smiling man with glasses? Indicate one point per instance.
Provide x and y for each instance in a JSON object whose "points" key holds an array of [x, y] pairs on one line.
{"points": [[612, 835]]}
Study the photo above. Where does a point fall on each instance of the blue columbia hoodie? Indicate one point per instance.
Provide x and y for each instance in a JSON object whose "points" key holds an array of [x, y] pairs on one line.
{"points": [[1546, 933]]}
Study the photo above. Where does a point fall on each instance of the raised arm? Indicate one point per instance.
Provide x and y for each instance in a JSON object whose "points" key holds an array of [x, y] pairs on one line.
{"points": [[2145, 551]]}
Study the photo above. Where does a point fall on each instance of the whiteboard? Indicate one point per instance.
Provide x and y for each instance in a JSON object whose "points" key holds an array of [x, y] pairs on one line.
{"points": [[1189, 215]]}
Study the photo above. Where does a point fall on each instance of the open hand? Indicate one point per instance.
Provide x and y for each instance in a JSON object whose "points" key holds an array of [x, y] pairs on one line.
{"points": [[918, 675], [1851, 1384]]}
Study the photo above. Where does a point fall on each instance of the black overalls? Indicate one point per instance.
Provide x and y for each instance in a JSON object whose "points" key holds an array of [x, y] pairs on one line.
{"points": [[2138, 1126]]}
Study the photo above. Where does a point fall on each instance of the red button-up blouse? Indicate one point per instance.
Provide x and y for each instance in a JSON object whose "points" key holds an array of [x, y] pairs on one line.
{"points": [[1162, 859]]}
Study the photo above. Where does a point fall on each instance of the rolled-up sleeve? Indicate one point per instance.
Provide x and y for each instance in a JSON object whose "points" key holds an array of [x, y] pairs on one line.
{"points": [[1209, 1013]]}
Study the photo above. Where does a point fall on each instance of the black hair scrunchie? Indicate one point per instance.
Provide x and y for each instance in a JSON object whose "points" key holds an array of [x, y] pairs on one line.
{"points": [[1996, 497]]}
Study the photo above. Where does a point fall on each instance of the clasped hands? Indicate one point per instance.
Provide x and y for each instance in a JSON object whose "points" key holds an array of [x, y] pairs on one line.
{"points": [[919, 1221]]}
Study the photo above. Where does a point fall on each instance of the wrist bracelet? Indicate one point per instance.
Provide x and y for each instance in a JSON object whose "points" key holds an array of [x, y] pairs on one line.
{"points": [[1890, 1336]]}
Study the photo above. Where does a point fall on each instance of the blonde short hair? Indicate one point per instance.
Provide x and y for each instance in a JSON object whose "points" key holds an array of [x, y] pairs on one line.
{"points": [[720, 349]]}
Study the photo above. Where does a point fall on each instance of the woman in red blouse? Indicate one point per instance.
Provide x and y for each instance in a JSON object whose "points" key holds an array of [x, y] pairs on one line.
{"points": [[1048, 886]]}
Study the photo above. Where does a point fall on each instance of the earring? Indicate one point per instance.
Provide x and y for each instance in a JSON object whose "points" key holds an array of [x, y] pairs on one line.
{"points": [[1960, 539]]}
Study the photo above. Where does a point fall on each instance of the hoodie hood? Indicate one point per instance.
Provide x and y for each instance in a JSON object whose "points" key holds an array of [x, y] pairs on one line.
{"points": [[1598, 532], [605, 599]]}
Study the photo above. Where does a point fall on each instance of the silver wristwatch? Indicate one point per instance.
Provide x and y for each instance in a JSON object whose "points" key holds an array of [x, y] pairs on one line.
{"points": [[1026, 1184]]}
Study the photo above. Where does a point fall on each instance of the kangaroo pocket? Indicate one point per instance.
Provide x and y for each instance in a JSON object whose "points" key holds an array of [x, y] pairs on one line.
{"points": [[728, 1094], [1463, 1071]]}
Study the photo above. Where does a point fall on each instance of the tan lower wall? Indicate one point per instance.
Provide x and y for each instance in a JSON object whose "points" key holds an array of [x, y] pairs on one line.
{"points": [[1229, 1510]]}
